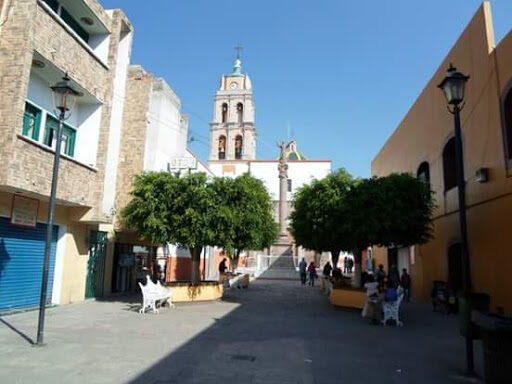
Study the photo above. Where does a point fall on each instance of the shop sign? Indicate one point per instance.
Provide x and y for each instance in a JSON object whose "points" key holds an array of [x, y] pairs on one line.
{"points": [[179, 163], [24, 211]]}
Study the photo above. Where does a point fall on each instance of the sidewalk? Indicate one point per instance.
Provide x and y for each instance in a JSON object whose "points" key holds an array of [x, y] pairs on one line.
{"points": [[274, 332]]}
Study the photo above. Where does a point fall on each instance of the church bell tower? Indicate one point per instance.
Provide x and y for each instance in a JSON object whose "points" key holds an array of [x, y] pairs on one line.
{"points": [[232, 130]]}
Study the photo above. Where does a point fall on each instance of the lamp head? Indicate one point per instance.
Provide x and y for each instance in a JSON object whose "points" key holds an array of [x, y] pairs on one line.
{"points": [[453, 86], [64, 95]]}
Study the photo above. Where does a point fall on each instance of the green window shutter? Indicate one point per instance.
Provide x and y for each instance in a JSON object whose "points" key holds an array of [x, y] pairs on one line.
{"points": [[50, 130], [35, 134], [31, 121], [26, 123], [71, 143]]}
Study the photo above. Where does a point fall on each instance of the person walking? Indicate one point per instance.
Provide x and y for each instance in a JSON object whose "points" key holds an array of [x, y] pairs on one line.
{"points": [[405, 282], [222, 270], [350, 265], [302, 270], [312, 273], [380, 275], [327, 270]]}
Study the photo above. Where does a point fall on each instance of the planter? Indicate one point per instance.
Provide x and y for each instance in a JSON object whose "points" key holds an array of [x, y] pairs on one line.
{"points": [[347, 298], [185, 292]]}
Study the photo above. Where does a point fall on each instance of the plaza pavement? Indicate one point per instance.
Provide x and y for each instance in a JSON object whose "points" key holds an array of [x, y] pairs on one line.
{"points": [[273, 332]]}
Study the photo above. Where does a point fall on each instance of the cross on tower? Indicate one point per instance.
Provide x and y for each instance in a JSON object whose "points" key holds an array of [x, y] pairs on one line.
{"points": [[238, 48]]}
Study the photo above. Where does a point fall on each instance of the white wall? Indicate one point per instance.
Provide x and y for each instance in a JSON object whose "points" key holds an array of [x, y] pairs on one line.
{"points": [[300, 172], [166, 132], [100, 45], [116, 119], [85, 117], [223, 169]]}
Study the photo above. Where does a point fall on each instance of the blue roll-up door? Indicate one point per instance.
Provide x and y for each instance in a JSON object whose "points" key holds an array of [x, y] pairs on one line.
{"points": [[21, 265]]}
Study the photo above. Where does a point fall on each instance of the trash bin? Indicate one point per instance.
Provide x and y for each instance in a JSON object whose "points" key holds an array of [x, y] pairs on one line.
{"points": [[497, 346], [467, 303]]}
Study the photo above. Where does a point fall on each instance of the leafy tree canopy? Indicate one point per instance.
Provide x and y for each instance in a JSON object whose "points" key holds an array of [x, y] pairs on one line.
{"points": [[317, 209], [169, 209], [244, 214]]}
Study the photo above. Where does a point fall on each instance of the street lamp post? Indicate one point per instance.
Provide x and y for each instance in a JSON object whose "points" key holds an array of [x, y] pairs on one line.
{"points": [[453, 88], [63, 97]]}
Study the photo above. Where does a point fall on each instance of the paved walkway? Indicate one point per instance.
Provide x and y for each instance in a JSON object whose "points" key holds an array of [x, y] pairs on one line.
{"points": [[274, 332]]}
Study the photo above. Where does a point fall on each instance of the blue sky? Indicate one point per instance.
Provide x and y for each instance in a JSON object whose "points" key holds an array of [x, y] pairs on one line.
{"points": [[341, 74]]}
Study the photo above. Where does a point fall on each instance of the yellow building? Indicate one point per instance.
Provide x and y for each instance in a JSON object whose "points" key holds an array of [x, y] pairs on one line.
{"points": [[423, 145]]}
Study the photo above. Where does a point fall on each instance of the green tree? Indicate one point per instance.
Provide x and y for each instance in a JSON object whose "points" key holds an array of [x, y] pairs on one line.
{"points": [[317, 208], [394, 210], [169, 209], [244, 215]]}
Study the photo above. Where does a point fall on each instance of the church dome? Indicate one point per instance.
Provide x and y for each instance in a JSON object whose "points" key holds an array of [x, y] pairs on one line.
{"points": [[291, 152]]}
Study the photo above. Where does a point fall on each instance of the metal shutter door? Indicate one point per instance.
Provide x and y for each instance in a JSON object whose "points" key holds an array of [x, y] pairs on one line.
{"points": [[21, 265]]}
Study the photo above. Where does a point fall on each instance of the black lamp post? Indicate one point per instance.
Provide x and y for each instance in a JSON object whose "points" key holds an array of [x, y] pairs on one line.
{"points": [[453, 87], [63, 97]]}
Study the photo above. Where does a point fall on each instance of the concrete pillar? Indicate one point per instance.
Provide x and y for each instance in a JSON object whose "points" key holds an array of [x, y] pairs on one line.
{"points": [[283, 185]]}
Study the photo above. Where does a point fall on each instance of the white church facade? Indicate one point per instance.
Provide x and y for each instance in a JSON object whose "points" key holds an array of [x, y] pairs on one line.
{"points": [[233, 139]]}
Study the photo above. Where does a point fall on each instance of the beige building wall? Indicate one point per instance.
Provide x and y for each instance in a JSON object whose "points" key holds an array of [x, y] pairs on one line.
{"points": [[422, 135], [133, 138], [33, 31]]}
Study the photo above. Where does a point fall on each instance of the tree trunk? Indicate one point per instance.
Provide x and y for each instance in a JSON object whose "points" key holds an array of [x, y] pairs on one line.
{"points": [[234, 260], [358, 256], [195, 253], [335, 255]]}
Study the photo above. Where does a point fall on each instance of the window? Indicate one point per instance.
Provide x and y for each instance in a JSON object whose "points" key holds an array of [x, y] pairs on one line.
{"points": [[449, 165], [240, 112], [54, 4], [423, 173], [507, 121], [31, 121], [289, 184], [68, 136], [74, 24], [222, 147], [68, 19], [224, 112], [238, 147]]}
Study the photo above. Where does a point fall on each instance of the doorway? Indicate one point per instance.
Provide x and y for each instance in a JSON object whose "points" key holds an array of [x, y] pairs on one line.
{"points": [[392, 257], [96, 264]]}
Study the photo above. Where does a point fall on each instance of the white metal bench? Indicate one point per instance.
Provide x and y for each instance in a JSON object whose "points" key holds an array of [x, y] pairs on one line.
{"points": [[392, 310], [152, 294]]}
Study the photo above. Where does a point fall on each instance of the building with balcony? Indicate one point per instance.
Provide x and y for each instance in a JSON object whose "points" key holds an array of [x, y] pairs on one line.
{"points": [[423, 144], [40, 41], [154, 138]]}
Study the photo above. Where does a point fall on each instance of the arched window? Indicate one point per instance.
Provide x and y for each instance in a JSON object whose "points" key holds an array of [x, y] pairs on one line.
{"points": [[423, 173], [449, 165], [224, 112], [222, 147], [240, 112], [238, 147], [506, 108]]}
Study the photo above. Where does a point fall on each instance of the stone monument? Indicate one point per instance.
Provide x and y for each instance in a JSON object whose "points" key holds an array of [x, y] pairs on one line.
{"points": [[283, 244]]}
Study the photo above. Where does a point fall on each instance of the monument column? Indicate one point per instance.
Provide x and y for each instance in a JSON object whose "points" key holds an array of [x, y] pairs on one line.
{"points": [[283, 186], [283, 244]]}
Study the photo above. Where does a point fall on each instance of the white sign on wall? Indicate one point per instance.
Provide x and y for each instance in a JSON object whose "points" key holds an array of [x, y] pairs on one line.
{"points": [[179, 163]]}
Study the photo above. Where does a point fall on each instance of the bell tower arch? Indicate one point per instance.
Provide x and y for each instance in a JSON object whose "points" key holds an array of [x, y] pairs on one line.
{"points": [[232, 127]]}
